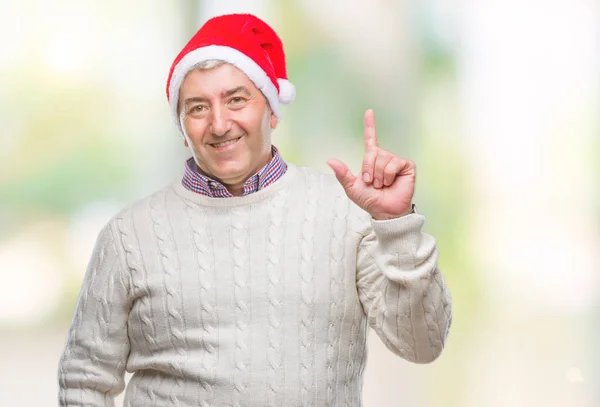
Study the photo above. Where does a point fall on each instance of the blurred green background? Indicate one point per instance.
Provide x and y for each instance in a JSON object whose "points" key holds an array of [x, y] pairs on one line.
{"points": [[496, 102]]}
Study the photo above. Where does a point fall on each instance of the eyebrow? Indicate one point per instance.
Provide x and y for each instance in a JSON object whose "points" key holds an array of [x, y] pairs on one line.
{"points": [[233, 91], [239, 89]]}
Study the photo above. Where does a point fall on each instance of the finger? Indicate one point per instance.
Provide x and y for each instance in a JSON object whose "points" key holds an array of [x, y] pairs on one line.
{"points": [[342, 173], [371, 141], [393, 168], [383, 159], [368, 165]]}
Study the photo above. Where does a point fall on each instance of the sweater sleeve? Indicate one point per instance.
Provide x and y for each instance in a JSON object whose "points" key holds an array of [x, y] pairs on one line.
{"points": [[401, 288], [91, 369]]}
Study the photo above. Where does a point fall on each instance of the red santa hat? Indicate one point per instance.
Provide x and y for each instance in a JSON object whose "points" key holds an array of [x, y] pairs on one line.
{"points": [[244, 41]]}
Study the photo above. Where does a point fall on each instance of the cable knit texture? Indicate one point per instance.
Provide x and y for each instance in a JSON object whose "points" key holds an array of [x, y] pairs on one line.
{"points": [[258, 300]]}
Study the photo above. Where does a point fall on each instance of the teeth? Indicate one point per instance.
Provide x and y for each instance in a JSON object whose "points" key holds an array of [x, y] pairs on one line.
{"points": [[226, 143]]}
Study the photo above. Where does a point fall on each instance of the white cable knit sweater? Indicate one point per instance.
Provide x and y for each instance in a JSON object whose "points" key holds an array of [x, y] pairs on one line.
{"points": [[259, 300]]}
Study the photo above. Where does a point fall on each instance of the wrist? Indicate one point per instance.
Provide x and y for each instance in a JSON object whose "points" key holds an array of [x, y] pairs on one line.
{"points": [[389, 216]]}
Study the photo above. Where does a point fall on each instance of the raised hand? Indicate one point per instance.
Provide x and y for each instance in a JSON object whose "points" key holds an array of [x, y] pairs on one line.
{"points": [[387, 184]]}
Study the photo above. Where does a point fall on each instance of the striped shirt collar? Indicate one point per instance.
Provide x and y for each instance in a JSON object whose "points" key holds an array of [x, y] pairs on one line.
{"points": [[201, 184]]}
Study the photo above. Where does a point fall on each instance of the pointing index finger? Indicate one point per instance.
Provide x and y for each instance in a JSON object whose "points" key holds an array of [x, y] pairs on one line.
{"points": [[370, 133]]}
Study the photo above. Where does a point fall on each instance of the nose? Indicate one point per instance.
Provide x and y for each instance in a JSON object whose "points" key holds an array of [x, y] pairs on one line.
{"points": [[221, 121]]}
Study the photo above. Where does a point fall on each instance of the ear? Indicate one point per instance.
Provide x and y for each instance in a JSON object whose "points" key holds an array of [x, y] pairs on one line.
{"points": [[273, 121], [185, 143]]}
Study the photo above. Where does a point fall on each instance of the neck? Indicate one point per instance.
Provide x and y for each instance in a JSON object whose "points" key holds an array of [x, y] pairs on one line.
{"points": [[235, 190], [265, 193], [235, 186]]}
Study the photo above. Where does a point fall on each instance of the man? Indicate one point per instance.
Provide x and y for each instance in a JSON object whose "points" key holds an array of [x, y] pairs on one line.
{"points": [[251, 282]]}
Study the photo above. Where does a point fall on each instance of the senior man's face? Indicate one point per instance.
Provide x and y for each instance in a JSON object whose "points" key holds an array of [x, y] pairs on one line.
{"points": [[228, 122]]}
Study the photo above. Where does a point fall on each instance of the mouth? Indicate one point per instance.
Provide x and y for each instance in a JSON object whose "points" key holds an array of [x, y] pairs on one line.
{"points": [[222, 145]]}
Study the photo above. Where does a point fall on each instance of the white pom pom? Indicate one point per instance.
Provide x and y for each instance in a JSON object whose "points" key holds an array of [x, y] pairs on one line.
{"points": [[287, 91]]}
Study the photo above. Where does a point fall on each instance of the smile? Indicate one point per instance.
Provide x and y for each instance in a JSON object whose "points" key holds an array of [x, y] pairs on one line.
{"points": [[226, 143]]}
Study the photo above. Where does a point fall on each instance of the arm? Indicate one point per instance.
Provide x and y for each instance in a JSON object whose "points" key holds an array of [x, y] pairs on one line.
{"points": [[91, 369], [401, 288], [399, 284]]}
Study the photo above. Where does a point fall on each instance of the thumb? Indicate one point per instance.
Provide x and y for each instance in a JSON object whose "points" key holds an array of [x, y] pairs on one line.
{"points": [[342, 173]]}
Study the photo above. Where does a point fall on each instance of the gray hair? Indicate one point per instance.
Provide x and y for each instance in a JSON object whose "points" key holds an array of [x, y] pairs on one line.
{"points": [[209, 64]]}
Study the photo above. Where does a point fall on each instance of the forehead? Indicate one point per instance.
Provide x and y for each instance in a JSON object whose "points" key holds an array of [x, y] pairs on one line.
{"points": [[214, 81]]}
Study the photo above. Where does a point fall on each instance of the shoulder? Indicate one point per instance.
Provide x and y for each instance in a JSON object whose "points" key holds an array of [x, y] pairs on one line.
{"points": [[327, 187], [326, 183], [123, 222]]}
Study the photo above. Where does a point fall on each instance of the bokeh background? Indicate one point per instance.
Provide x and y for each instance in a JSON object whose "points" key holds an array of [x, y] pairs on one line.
{"points": [[497, 101]]}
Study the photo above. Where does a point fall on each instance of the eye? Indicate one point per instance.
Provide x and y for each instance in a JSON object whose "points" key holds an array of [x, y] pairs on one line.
{"points": [[197, 110], [236, 100]]}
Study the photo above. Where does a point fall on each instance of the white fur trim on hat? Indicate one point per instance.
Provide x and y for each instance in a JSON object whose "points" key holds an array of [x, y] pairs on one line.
{"points": [[227, 54], [287, 91]]}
